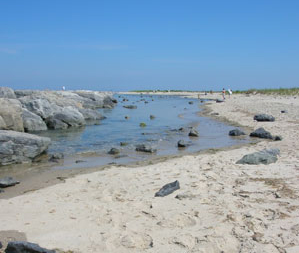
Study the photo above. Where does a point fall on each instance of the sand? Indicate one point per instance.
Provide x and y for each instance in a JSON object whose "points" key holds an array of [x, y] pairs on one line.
{"points": [[221, 206]]}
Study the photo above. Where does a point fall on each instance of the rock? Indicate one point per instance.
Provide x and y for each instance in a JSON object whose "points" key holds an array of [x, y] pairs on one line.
{"points": [[182, 144], [266, 156], [90, 114], [16, 147], [263, 117], [25, 247], [190, 102], [123, 143], [277, 138], [113, 151], [127, 117], [1, 245], [261, 133], [152, 116], [8, 181], [284, 111], [53, 123], [1, 191], [193, 132], [6, 92], [130, 106], [56, 156], [145, 148], [32, 122], [96, 99], [219, 100], [214, 114], [142, 124], [236, 132], [80, 161], [168, 189], [11, 114]]}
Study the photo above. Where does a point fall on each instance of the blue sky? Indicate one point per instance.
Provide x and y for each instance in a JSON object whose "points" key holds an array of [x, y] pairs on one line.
{"points": [[154, 44]]}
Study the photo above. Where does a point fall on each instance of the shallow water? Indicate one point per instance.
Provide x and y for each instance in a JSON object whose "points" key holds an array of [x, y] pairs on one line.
{"points": [[92, 142]]}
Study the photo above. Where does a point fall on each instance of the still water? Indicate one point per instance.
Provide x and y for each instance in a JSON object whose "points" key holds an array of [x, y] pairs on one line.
{"points": [[123, 125]]}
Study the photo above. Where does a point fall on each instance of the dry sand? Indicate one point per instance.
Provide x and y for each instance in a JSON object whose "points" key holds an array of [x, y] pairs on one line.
{"points": [[221, 206]]}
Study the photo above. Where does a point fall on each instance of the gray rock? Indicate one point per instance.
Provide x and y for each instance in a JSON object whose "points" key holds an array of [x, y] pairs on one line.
{"points": [[263, 117], [219, 100], [16, 147], [236, 132], [168, 189], [145, 148], [123, 143], [284, 111], [113, 151], [25, 247], [53, 123], [190, 102], [6, 92], [266, 156], [32, 122], [261, 133], [8, 181], [90, 114], [130, 106], [193, 132], [182, 144], [11, 114], [277, 138], [152, 116], [56, 157]]}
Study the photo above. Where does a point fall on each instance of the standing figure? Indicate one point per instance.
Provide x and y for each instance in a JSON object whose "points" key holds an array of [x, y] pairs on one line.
{"points": [[223, 93], [229, 92]]}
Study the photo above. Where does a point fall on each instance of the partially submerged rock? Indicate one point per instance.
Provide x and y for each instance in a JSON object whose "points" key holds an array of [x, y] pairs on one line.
{"points": [[145, 148], [236, 132], [25, 247], [7, 182], [265, 156], [168, 189], [261, 133], [56, 157], [130, 106], [182, 144], [113, 151], [263, 117], [16, 147], [32, 122], [193, 132]]}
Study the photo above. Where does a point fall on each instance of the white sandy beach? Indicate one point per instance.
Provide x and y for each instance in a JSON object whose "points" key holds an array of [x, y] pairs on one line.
{"points": [[221, 206]]}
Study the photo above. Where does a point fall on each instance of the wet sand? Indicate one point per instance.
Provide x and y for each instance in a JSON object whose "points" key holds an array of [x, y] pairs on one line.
{"points": [[220, 207]]}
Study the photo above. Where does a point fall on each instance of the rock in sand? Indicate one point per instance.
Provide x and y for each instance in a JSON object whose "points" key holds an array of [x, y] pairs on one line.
{"points": [[168, 189]]}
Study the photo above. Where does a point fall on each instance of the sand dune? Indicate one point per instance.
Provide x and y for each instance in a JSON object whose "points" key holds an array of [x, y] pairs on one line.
{"points": [[221, 206]]}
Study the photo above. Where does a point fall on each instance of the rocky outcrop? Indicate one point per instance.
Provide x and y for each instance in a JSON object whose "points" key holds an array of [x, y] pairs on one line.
{"points": [[16, 147], [32, 122], [263, 117], [266, 156], [11, 115], [6, 92], [90, 114]]}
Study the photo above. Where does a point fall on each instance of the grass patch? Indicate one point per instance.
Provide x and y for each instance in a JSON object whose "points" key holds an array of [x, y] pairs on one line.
{"points": [[280, 91]]}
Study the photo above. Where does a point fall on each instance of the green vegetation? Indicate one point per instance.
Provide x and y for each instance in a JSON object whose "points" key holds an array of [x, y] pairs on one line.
{"points": [[150, 91], [280, 91]]}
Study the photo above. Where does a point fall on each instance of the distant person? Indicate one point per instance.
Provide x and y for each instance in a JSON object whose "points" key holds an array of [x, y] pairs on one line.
{"points": [[63, 87], [223, 93], [230, 92]]}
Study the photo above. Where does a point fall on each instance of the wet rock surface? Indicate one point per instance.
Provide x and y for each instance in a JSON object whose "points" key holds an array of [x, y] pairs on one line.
{"points": [[7, 182], [25, 247], [145, 148], [236, 132]]}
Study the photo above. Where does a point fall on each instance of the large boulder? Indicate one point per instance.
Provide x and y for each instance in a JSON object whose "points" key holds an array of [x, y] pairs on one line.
{"points": [[6, 92], [265, 156], [261, 133], [16, 147], [90, 114], [263, 117], [25, 247], [11, 115], [33, 122], [96, 99]]}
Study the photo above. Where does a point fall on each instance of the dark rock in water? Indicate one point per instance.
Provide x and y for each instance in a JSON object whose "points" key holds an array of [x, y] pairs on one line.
{"points": [[236, 132], [215, 114], [55, 157], [127, 117], [182, 144], [145, 148], [123, 143], [284, 111], [277, 138], [8, 181], [261, 133], [219, 100], [142, 124], [263, 117], [130, 106], [146, 102], [80, 161], [266, 156], [191, 102], [113, 151], [25, 247], [181, 129], [168, 189], [152, 116], [193, 133]]}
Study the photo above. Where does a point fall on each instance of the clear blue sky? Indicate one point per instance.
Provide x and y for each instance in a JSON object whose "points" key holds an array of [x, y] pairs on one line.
{"points": [[153, 44]]}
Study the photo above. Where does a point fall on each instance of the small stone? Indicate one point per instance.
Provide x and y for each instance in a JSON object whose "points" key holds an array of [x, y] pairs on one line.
{"points": [[25, 247], [113, 151], [168, 189], [263, 117], [142, 124], [284, 111], [56, 156], [193, 133], [144, 148], [236, 132], [277, 138], [191, 102], [127, 117], [80, 161], [130, 106], [7, 182], [152, 116], [123, 143], [181, 144], [261, 133]]}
